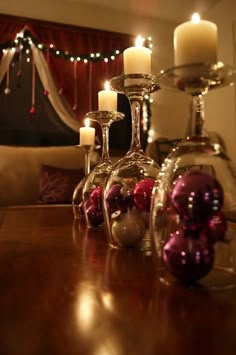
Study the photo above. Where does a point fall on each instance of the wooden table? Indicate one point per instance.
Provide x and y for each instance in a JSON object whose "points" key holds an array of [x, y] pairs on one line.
{"points": [[64, 291]]}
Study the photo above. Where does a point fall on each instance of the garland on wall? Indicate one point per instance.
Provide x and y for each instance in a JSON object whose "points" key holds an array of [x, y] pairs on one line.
{"points": [[23, 44]]}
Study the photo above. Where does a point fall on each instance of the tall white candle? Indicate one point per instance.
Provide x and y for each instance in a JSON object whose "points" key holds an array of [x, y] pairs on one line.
{"points": [[137, 59], [87, 134], [107, 99], [195, 41]]}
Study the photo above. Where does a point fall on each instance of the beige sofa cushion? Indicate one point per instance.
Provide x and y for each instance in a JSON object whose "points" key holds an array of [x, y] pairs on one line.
{"points": [[20, 169]]}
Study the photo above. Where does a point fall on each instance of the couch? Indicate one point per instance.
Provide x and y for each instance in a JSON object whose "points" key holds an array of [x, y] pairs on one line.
{"points": [[21, 169]]}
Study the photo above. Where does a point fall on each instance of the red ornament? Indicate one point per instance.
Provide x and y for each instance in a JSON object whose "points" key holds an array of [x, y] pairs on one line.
{"points": [[19, 73], [143, 194], [217, 228], [46, 92], [96, 197], [33, 110], [189, 256], [94, 216], [197, 196]]}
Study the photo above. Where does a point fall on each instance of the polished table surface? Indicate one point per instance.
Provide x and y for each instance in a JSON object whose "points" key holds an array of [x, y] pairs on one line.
{"points": [[64, 291]]}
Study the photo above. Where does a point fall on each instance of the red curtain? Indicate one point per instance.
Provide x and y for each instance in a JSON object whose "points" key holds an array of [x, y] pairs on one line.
{"points": [[81, 81]]}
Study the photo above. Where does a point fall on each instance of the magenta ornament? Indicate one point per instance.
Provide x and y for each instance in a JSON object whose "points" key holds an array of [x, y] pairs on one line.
{"points": [[197, 195], [118, 198], [32, 110], [143, 193], [96, 197], [217, 227], [19, 73], [189, 256], [94, 215]]}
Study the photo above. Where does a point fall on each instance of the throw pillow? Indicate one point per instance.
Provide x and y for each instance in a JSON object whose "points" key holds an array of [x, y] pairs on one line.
{"points": [[57, 184]]}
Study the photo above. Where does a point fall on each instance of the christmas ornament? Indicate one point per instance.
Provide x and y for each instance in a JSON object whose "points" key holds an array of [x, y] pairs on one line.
{"points": [[143, 193], [96, 197], [127, 229], [19, 73], [7, 91], [46, 92], [217, 227], [118, 198], [189, 255], [32, 110], [94, 215], [197, 195]]}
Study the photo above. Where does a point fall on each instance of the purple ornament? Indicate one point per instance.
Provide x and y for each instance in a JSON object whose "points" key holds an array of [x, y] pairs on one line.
{"points": [[94, 216], [118, 198], [197, 195], [217, 227], [188, 255], [143, 194], [96, 197]]}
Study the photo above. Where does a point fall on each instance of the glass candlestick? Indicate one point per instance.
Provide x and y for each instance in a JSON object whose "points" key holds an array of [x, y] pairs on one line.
{"points": [[93, 186], [129, 185], [193, 212], [77, 203]]}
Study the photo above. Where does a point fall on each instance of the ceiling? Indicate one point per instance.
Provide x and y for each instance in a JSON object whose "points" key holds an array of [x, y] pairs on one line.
{"points": [[178, 10]]}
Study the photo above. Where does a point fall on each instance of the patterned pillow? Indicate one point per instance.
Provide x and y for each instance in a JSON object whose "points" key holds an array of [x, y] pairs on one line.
{"points": [[57, 184]]}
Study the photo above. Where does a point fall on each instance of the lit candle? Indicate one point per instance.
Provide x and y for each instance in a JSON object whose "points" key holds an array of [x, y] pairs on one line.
{"points": [[137, 59], [87, 134], [107, 99], [195, 41]]}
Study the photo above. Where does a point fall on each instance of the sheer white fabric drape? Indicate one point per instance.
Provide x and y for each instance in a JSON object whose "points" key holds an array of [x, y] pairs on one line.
{"points": [[58, 102]]}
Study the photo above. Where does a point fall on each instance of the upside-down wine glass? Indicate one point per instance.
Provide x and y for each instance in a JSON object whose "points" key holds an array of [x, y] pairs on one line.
{"points": [[193, 212], [128, 187], [94, 184]]}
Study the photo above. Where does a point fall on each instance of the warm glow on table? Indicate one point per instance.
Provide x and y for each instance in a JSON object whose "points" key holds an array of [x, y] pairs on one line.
{"points": [[195, 41], [137, 59], [107, 99], [87, 134]]}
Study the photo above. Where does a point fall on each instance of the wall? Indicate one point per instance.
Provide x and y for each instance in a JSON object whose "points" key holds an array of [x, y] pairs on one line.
{"points": [[169, 109], [220, 104]]}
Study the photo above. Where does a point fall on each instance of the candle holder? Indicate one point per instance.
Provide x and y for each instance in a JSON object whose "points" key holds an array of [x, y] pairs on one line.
{"points": [[129, 185], [77, 203], [93, 186], [193, 212]]}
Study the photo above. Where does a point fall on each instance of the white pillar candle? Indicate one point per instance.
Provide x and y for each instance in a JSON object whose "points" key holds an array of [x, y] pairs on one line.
{"points": [[137, 59], [87, 134], [195, 41], [107, 99]]}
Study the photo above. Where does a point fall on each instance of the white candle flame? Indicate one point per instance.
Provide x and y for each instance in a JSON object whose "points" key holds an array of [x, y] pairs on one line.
{"points": [[195, 18], [86, 122], [107, 85], [139, 41]]}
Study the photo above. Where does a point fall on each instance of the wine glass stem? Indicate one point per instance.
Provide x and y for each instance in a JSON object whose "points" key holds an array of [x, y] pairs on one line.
{"points": [[87, 162], [136, 105], [105, 142], [197, 120]]}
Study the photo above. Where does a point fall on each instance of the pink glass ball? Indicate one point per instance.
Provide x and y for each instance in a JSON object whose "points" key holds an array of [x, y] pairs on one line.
{"points": [[118, 199], [188, 256], [96, 197], [197, 195], [143, 193], [217, 227], [94, 216]]}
